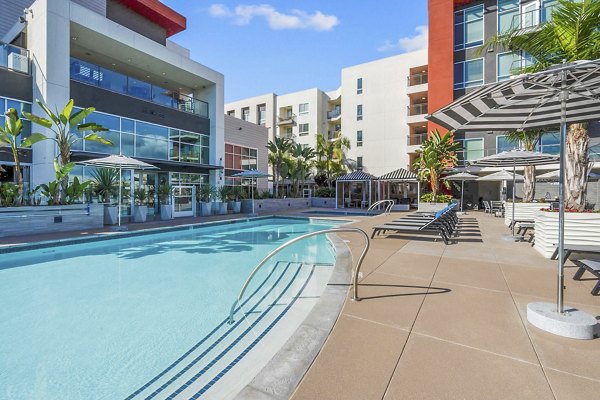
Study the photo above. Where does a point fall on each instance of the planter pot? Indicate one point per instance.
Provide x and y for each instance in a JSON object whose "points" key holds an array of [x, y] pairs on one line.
{"points": [[110, 215], [522, 211], [431, 207], [140, 213], [166, 212], [235, 206], [216, 206], [581, 229], [222, 208], [205, 209]]}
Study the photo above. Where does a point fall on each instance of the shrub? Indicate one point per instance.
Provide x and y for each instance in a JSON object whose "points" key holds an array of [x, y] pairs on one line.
{"points": [[441, 198], [325, 192]]}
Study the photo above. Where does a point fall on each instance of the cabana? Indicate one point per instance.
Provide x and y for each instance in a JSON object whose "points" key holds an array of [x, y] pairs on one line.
{"points": [[400, 180], [356, 190]]}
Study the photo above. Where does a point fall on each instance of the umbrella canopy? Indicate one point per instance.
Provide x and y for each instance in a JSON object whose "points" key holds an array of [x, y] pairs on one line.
{"points": [[555, 175], [399, 175], [462, 177], [516, 158], [501, 176], [562, 94], [252, 174]]}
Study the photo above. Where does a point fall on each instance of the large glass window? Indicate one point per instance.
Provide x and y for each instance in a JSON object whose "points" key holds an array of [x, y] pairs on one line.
{"points": [[20, 106], [548, 7], [549, 143], [359, 138], [508, 14], [303, 129], [359, 112], [472, 150], [468, 27], [507, 64], [262, 114], [303, 108], [468, 73], [503, 144]]}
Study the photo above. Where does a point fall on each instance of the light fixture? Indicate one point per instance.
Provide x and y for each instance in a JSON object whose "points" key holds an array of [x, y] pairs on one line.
{"points": [[113, 64], [74, 38], [164, 73]]}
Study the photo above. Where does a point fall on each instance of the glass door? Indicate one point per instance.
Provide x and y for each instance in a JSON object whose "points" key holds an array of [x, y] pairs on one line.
{"points": [[184, 204]]}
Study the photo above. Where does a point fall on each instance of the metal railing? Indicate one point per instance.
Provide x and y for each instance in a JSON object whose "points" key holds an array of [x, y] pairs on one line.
{"points": [[417, 79], [417, 139], [388, 208], [417, 109], [334, 113], [14, 58], [286, 119], [42, 211], [295, 240]]}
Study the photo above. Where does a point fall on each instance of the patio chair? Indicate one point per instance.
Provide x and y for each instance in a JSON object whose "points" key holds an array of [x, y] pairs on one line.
{"points": [[592, 267], [487, 207], [441, 225], [496, 208]]}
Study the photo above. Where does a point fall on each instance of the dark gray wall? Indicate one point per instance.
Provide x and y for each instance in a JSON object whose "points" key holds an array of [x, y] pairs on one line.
{"points": [[124, 16], [130, 107], [15, 85]]}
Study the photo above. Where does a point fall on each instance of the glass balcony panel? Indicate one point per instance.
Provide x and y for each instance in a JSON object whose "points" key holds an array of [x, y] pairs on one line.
{"points": [[139, 89], [163, 96], [204, 155], [84, 72], [14, 58], [111, 80]]}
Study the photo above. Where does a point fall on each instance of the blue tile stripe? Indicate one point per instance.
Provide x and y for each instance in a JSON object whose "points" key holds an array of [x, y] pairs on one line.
{"points": [[205, 338], [192, 363], [253, 344], [250, 328]]}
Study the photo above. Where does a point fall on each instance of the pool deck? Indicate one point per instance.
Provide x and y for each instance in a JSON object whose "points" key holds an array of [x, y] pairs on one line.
{"points": [[443, 322], [449, 322]]}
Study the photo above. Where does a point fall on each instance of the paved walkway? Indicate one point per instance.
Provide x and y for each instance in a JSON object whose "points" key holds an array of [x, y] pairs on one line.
{"points": [[449, 322]]}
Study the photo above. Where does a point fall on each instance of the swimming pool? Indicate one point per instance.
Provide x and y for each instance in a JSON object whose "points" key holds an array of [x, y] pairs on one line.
{"points": [[122, 318]]}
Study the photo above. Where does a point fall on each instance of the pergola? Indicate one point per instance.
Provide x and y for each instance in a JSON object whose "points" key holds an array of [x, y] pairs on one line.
{"points": [[355, 177], [398, 176]]}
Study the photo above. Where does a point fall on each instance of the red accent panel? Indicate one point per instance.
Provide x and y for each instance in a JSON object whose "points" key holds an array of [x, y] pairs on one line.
{"points": [[458, 3], [441, 56], [160, 14]]}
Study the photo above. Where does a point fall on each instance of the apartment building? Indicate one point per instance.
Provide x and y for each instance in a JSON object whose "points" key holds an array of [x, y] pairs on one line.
{"points": [[159, 104], [380, 107]]}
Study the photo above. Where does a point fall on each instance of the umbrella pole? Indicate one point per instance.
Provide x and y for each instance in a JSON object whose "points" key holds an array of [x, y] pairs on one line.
{"points": [[119, 204], [462, 190], [252, 188], [513, 197], [561, 197]]}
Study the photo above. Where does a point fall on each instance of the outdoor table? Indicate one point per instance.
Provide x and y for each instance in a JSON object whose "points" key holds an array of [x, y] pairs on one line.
{"points": [[570, 248]]}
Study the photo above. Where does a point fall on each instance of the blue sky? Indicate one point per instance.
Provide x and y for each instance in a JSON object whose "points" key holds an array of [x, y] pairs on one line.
{"points": [[283, 46]]}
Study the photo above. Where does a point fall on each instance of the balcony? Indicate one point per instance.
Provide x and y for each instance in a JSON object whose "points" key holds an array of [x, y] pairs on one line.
{"points": [[417, 139], [525, 20], [286, 119], [334, 114], [14, 58], [417, 109], [94, 75], [333, 135], [417, 79]]}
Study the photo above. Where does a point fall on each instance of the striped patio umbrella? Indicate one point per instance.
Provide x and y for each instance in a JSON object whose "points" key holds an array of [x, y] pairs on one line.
{"points": [[562, 94], [252, 174]]}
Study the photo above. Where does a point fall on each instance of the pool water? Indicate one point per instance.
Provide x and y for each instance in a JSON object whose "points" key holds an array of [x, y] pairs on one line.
{"points": [[98, 320]]}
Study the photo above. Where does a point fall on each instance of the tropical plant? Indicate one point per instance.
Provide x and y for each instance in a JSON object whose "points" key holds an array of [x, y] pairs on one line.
{"points": [[52, 190], [436, 155], [528, 140], [64, 124], [75, 190], [573, 33], [140, 196], [238, 193], [278, 153], [223, 193], [440, 198], [206, 193], [106, 181], [165, 191], [331, 157], [325, 192], [9, 136], [9, 193]]}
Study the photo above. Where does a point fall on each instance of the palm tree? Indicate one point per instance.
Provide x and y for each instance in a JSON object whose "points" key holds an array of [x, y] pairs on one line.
{"points": [[528, 140], [278, 152], [331, 156], [573, 33], [301, 162], [437, 154]]}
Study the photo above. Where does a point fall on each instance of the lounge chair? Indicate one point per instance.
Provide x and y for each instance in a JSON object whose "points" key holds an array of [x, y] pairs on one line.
{"points": [[487, 207], [591, 266]]}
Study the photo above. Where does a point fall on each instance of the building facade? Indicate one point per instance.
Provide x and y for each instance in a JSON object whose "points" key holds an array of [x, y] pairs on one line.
{"points": [[115, 55], [380, 107]]}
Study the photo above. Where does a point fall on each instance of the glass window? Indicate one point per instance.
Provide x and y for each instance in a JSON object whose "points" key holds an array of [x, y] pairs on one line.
{"points": [[151, 130], [507, 64], [163, 97], [359, 138], [359, 87], [245, 114], [303, 108], [151, 147], [359, 162], [468, 73], [303, 129], [502, 144], [548, 7], [140, 89], [231, 113], [472, 149], [549, 143], [111, 80], [262, 114], [508, 14], [359, 112], [468, 27], [84, 72]]}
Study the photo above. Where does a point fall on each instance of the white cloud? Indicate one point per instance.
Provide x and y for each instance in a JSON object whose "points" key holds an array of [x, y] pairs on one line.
{"points": [[408, 43], [295, 19]]}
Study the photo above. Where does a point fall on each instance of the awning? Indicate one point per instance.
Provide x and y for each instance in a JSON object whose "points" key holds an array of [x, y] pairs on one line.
{"points": [[357, 176], [399, 175]]}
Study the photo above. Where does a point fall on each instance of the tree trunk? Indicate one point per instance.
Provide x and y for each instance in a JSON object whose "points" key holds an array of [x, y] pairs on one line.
{"points": [[576, 166], [275, 181], [529, 184], [434, 187], [18, 177]]}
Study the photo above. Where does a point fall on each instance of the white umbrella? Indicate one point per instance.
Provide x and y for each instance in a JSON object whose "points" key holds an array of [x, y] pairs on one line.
{"points": [[566, 93], [119, 162], [462, 177], [501, 176], [252, 174]]}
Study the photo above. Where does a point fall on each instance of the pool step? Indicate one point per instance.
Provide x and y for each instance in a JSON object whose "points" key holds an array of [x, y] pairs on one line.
{"points": [[195, 371]]}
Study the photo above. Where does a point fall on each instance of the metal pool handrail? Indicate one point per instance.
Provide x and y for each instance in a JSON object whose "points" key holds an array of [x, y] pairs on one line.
{"points": [[299, 238], [388, 208]]}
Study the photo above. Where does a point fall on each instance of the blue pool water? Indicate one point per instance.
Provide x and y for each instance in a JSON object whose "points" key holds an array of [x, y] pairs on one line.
{"points": [[98, 320]]}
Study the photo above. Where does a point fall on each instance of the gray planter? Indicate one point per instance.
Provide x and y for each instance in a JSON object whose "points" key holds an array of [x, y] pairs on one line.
{"points": [[110, 215], [216, 206], [205, 209], [221, 207], [236, 206], [166, 212], [140, 213]]}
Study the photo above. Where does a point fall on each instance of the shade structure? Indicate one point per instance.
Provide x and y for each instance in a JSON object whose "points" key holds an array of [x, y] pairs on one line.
{"points": [[252, 174], [562, 94], [501, 176], [462, 177], [399, 175], [553, 176], [119, 162], [354, 176]]}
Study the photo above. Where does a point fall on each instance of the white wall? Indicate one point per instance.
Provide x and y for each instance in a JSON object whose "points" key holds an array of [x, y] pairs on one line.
{"points": [[316, 117], [270, 101]]}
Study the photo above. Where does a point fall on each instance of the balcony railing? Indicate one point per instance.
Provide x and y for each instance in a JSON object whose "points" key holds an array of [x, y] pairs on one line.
{"points": [[528, 19], [333, 114], [418, 79], [14, 58], [332, 135], [417, 109], [286, 119], [417, 139], [91, 74]]}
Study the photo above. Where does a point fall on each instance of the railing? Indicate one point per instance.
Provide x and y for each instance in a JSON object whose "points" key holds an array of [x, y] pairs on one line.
{"points": [[92, 74], [14, 58], [299, 238], [417, 79], [388, 208], [334, 113], [332, 135], [417, 109], [529, 19], [286, 119], [417, 139], [43, 211]]}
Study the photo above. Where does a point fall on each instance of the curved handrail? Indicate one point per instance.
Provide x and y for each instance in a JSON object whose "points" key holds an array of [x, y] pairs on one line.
{"points": [[299, 238], [388, 208]]}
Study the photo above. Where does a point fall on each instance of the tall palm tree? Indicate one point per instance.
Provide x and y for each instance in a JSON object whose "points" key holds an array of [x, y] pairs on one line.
{"points": [[331, 156], [437, 154], [302, 157], [279, 149], [528, 140], [573, 33]]}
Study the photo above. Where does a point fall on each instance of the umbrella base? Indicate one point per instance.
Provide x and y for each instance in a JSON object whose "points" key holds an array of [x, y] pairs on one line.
{"points": [[574, 323], [117, 228], [513, 238], [252, 215]]}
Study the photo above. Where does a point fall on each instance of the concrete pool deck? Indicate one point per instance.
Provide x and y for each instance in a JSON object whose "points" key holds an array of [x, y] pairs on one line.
{"points": [[449, 322]]}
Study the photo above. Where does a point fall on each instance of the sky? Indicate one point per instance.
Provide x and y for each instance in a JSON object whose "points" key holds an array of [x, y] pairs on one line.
{"points": [[285, 46]]}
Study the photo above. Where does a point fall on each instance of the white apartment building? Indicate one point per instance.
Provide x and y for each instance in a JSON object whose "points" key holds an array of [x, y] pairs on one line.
{"points": [[380, 107]]}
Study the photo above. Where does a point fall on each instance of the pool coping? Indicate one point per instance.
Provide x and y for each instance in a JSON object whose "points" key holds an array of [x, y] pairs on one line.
{"points": [[282, 374]]}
